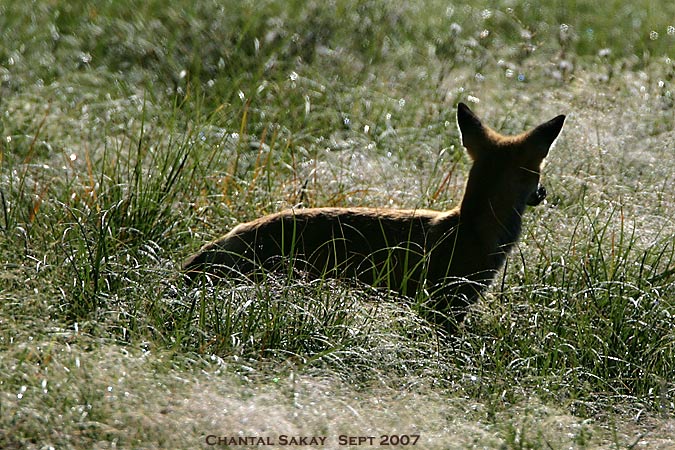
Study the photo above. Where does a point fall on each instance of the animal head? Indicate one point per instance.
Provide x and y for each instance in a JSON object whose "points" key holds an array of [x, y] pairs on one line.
{"points": [[506, 169]]}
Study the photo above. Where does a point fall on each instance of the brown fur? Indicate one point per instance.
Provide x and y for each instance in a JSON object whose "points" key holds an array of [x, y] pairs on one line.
{"points": [[453, 255]]}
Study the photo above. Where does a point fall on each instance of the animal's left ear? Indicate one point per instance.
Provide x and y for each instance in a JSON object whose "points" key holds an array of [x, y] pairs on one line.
{"points": [[544, 135], [473, 133]]}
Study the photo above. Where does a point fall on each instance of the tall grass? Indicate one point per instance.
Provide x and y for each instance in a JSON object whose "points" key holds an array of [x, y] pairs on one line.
{"points": [[598, 321]]}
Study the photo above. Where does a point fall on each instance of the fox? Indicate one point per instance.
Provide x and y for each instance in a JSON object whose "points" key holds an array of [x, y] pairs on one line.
{"points": [[450, 257]]}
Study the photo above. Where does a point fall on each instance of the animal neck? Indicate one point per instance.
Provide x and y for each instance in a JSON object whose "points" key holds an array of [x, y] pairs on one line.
{"points": [[496, 225]]}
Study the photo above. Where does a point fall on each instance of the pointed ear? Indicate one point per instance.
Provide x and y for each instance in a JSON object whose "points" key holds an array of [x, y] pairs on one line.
{"points": [[545, 134], [471, 129]]}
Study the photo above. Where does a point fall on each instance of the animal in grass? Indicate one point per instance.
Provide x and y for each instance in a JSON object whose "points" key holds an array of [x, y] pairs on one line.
{"points": [[452, 255]]}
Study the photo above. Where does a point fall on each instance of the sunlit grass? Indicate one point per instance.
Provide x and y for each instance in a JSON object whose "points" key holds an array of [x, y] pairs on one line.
{"points": [[132, 134]]}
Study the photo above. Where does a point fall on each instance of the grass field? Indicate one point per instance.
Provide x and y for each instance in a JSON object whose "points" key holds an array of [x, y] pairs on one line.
{"points": [[133, 132]]}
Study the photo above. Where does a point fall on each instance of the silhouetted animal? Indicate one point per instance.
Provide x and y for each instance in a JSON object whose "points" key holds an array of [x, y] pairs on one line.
{"points": [[453, 255]]}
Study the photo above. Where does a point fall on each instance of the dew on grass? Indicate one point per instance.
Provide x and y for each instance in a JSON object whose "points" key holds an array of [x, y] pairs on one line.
{"points": [[21, 392], [565, 65], [564, 33]]}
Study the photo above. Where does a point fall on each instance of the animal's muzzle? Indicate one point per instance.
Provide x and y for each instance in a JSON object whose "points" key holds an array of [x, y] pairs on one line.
{"points": [[537, 196]]}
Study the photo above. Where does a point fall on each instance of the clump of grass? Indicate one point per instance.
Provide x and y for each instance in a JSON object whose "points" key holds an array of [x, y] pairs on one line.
{"points": [[270, 319], [590, 320], [125, 206], [309, 321]]}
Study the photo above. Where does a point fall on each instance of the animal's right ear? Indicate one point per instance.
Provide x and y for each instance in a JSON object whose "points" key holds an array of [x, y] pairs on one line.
{"points": [[471, 130], [545, 135]]}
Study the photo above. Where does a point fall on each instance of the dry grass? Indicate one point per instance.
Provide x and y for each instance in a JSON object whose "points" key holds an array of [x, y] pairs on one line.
{"points": [[107, 388]]}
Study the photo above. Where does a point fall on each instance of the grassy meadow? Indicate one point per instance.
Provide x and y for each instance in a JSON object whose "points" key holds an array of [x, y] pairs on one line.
{"points": [[133, 132]]}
